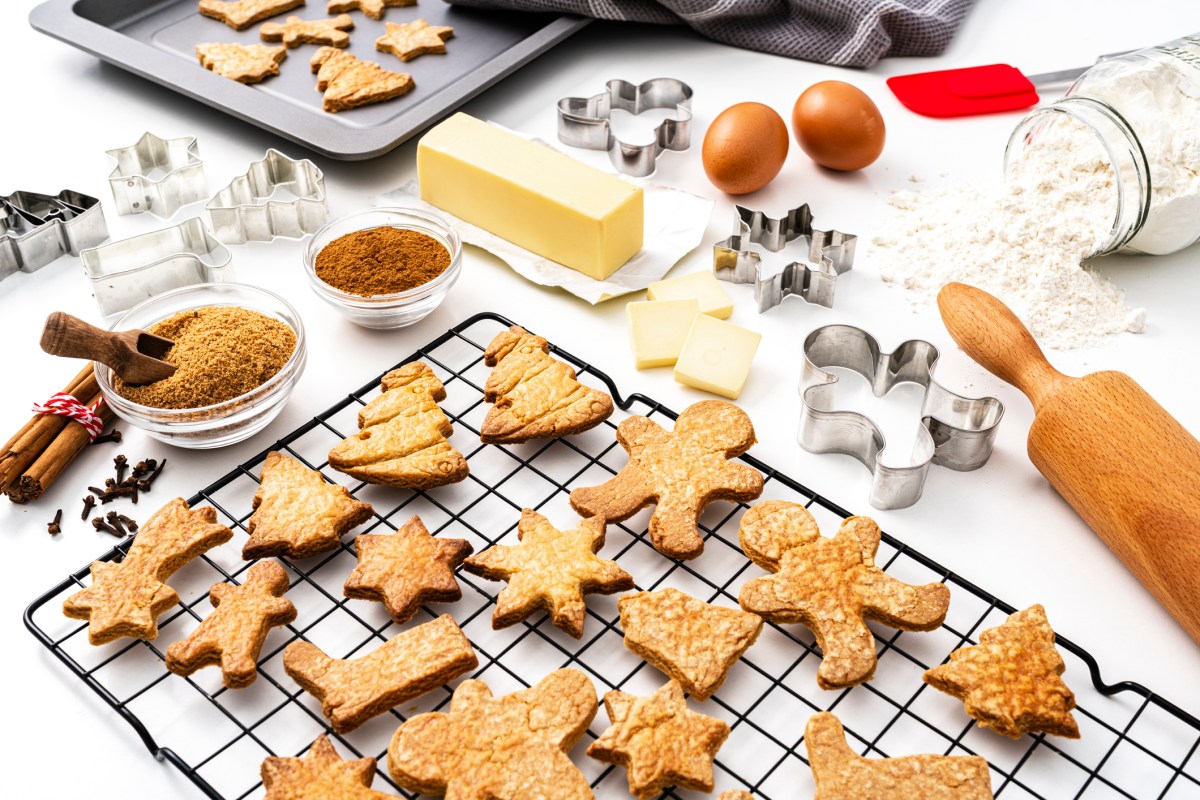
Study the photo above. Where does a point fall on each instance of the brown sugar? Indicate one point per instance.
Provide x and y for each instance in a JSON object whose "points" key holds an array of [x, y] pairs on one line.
{"points": [[220, 352], [383, 260]]}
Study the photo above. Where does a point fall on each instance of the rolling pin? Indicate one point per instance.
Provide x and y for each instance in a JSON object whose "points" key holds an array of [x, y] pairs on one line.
{"points": [[1121, 461]]}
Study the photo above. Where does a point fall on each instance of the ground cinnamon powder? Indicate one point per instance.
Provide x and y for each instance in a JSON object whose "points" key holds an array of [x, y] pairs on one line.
{"points": [[220, 352], [382, 260]]}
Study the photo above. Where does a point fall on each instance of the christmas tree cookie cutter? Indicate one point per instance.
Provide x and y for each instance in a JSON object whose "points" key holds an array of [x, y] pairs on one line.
{"points": [[244, 211], [956, 432], [830, 254], [36, 229], [157, 175]]}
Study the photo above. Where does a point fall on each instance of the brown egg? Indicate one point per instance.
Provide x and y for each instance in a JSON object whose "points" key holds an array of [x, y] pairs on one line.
{"points": [[838, 126], [745, 148]]}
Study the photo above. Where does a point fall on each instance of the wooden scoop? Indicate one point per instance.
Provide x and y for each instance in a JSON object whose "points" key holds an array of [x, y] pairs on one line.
{"points": [[134, 355], [1125, 464]]}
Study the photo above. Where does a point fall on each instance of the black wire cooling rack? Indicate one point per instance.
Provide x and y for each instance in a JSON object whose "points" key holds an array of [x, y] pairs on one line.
{"points": [[1134, 744]]}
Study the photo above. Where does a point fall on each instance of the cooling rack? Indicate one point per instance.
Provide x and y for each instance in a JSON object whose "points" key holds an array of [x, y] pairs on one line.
{"points": [[1134, 743]]}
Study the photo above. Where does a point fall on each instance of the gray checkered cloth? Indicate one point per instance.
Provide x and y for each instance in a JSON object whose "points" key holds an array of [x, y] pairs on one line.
{"points": [[849, 33]]}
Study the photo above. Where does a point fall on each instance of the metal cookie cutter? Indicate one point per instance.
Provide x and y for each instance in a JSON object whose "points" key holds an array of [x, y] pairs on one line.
{"points": [[239, 214], [956, 432], [126, 272], [584, 122], [830, 253], [35, 229], [157, 175]]}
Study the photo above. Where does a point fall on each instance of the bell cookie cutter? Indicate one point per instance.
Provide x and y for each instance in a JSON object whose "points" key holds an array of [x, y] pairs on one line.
{"points": [[128, 271], [956, 432], [157, 175], [239, 214], [584, 122], [36, 229], [830, 254]]}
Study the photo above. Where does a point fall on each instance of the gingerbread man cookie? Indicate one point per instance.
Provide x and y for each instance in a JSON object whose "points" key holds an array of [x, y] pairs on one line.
{"points": [[296, 31], [320, 775], [681, 471]]}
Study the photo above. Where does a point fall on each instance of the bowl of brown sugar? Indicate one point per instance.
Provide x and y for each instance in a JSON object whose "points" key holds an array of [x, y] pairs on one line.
{"points": [[239, 352], [384, 267]]}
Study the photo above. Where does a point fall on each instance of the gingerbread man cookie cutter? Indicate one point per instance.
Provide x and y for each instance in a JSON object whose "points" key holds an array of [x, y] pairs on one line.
{"points": [[830, 254], [956, 432], [157, 175]]}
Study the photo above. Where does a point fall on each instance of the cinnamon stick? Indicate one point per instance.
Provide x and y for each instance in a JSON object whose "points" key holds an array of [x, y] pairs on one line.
{"points": [[61, 451], [32, 440]]}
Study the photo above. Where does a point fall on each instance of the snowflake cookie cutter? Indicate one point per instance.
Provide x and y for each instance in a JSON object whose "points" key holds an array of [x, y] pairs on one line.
{"points": [[157, 175], [956, 432], [584, 122], [244, 212], [830, 254]]}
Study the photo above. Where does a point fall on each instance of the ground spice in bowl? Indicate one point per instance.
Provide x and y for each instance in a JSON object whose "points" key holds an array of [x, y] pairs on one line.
{"points": [[221, 352], [383, 260]]}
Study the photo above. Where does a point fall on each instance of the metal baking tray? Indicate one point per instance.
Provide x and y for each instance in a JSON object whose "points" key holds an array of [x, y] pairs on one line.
{"points": [[156, 39]]}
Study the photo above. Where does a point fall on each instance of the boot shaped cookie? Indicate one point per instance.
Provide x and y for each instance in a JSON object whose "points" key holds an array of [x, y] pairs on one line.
{"points": [[402, 437], [682, 471], [536, 396], [831, 586]]}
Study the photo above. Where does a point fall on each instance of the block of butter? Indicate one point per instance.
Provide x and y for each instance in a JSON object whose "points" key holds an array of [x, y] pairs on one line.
{"points": [[658, 328], [716, 356], [702, 286], [533, 196]]}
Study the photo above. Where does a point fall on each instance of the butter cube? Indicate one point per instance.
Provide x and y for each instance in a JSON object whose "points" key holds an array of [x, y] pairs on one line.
{"points": [[716, 356], [533, 196], [701, 286], [657, 329]]}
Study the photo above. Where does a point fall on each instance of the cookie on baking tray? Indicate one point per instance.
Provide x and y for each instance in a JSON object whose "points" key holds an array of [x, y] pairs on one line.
{"points": [[660, 741], [296, 31], [125, 598], [402, 438], [1010, 681], [831, 586], [320, 774], [681, 471], [372, 8], [241, 14], [695, 643], [842, 774], [411, 39], [232, 635], [239, 62], [535, 395], [404, 569], [550, 570], [409, 664], [349, 82], [512, 747]]}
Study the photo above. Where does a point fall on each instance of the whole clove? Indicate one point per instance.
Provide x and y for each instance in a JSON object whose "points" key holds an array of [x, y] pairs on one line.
{"points": [[120, 462], [99, 524], [97, 491], [140, 469], [89, 502], [114, 519], [53, 528], [131, 524], [154, 471], [111, 436]]}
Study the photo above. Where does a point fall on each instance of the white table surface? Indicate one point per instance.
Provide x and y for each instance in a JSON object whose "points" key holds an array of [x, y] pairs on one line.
{"points": [[1002, 527]]}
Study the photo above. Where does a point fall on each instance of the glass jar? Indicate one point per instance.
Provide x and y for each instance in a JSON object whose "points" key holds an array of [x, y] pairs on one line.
{"points": [[1143, 108]]}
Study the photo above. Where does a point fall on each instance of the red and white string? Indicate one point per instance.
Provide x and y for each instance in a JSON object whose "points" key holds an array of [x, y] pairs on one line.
{"points": [[65, 405]]}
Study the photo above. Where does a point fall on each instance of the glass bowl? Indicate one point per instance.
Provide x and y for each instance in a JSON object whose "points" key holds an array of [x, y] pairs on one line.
{"points": [[224, 423], [387, 310]]}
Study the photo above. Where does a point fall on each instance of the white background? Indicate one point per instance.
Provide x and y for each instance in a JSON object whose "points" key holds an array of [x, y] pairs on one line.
{"points": [[1001, 527]]}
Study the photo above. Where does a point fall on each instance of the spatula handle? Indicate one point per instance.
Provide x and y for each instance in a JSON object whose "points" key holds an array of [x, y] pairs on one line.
{"points": [[990, 333], [71, 337]]}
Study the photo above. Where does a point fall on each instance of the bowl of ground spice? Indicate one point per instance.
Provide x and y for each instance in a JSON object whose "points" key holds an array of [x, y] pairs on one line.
{"points": [[384, 267], [239, 352]]}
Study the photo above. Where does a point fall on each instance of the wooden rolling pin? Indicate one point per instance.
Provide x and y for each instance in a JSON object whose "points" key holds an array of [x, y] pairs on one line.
{"points": [[1121, 461]]}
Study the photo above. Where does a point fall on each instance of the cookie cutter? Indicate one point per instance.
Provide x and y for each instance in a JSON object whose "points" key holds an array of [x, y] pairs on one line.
{"points": [[157, 175], [36, 229], [239, 214], [584, 122], [128, 271], [830, 254], [956, 432]]}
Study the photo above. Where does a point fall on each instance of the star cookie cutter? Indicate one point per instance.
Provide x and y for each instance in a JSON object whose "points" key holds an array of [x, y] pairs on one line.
{"points": [[956, 432], [584, 122], [36, 229], [244, 211], [830, 254], [157, 175]]}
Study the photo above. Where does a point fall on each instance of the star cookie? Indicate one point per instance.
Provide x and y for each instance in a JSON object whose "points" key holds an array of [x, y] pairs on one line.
{"points": [[512, 747], [681, 471], [350, 82], [550, 570], [125, 598], [240, 62], [320, 775], [241, 14], [695, 643], [372, 8], [735, 794], [831, 586], [660, 741], [233, 634], [405, 569], [842, 774], [298, 31], [412, 39], [297, 513], [1010, 682]]}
